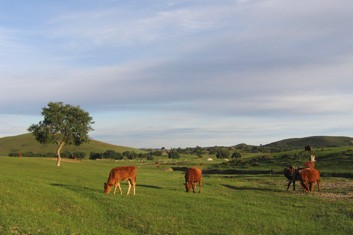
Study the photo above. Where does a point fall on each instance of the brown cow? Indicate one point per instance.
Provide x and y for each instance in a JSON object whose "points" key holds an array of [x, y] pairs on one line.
{"points": [[308, 178], [311, 163], [192, 176], [118, 174]]}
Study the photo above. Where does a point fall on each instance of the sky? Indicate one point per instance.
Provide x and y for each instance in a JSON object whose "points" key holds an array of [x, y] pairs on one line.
{"points": [[178, 73]]}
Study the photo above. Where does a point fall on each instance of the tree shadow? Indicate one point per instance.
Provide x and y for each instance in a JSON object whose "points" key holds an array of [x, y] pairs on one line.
{"points": [[250, 188]]}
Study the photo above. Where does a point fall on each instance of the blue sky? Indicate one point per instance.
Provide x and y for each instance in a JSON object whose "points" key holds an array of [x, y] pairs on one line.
{"points": [[181, 73]]}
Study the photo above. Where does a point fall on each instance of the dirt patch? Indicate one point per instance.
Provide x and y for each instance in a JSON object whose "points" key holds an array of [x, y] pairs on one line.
{"points": [[336, 196], [331, 190], [337, 190]]}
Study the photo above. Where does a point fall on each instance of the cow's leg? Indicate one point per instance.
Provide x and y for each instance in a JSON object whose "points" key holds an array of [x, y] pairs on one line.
{"points": [[311, 187], [294, 185], [121, 192], [128, 190], [289, 184], [134, 186], [304, 185], [193, 186], [318, 185], [115, 187]]}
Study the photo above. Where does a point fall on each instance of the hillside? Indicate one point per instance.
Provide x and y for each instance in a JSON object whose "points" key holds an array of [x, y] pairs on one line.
{"points": [[314, 141], [27, 143]]}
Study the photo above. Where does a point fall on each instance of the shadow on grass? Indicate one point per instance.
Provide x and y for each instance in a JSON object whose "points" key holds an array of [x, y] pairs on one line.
{"points": [[148, 186], [76, 187], [251, 188], [80, 188]]}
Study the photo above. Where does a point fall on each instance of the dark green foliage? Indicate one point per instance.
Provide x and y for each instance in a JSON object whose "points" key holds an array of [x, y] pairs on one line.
{"points": [[95, 156], [173, 154], [236, 155], [63, 124], [222, 153]]}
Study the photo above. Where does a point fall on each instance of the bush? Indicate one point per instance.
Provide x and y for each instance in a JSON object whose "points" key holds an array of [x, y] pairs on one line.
{"points": [[236, 155], [222, 153], [150, 157], [173, 154], [95, 156]]}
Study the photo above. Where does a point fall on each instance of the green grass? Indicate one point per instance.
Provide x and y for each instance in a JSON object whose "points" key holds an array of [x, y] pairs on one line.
{"points": [[36, 197]]}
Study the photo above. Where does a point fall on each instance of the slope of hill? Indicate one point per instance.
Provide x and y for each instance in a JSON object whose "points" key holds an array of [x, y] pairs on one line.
{"points": [[27, 143], [314, 141]]}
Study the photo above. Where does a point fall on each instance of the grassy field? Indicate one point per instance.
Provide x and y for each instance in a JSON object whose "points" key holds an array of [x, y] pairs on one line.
{"points": [[36, 197]]}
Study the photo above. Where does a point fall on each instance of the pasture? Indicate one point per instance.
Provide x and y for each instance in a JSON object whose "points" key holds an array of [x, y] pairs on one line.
{"points": [[36, 197]]}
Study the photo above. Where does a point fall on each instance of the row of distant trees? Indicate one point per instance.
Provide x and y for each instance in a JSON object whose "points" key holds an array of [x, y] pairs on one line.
{"points": [[108, 154], [220, 152], [72, 155], [111, 154]]}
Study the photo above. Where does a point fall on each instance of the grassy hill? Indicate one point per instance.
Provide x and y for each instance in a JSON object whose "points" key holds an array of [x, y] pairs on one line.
{"points": [[314, 141], [27, 143]]}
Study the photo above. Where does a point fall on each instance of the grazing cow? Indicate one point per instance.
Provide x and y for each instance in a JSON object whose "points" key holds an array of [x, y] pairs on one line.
{"points": [[308, 177], [292, 174], [118, 174], [311, 163], [192, 176]]}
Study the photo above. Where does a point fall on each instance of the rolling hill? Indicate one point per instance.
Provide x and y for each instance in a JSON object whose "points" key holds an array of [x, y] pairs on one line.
{"points": [[314, 141], [27, 143]]}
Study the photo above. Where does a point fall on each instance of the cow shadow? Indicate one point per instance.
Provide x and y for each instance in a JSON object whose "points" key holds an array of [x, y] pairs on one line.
{"points": [[75, 187], [148, 186], [250, 188], [80, 188]]}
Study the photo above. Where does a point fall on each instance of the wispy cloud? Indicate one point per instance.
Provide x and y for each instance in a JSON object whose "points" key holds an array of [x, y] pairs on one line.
{"points": [[189, 73]]}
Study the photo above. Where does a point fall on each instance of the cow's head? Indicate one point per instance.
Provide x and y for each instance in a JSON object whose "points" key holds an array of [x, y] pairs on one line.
{"points": [[312, 158], [107, 187]]}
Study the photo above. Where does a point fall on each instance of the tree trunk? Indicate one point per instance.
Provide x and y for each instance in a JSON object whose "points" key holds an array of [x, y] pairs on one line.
{"points": [[58, 151]]}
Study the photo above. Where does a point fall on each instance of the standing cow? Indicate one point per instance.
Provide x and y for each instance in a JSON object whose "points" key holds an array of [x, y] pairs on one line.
{"points": [[118, 174], [311, 163], [308, 177], [292, 174], [192, 176]]}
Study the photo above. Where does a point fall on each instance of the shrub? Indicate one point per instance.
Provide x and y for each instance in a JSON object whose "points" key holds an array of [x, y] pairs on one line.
{"points": [[173, 154], [236, 155]]}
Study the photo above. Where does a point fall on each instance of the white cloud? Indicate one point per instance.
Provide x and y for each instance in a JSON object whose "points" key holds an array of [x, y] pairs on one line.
{"points": [[230, 67]]}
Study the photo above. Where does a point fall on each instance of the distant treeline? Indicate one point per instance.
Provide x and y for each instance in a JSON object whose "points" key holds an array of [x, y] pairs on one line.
{"points": [[72, 155], [217, 151], [108, 154]]}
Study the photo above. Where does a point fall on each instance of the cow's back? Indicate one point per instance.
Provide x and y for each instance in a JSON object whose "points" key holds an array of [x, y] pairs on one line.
{"points": [[309, 164], [310, 175], [193, 175], [123, 172]]}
